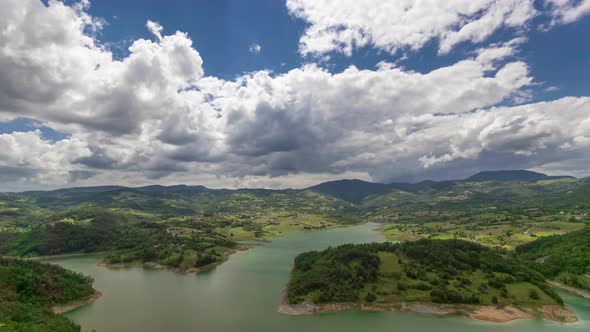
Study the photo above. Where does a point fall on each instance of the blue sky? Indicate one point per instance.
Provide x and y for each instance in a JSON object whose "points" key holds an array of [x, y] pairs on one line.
{"points": [[273, 99], [223, 31]]}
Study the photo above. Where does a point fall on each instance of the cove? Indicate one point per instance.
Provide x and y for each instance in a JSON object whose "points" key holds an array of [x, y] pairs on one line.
{"points": [[243, 294]]}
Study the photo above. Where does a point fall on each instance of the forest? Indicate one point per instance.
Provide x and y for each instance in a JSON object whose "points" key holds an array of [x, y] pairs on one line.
{"points": [[188, 227], [28, 290], [440, 271], [564, 258]]}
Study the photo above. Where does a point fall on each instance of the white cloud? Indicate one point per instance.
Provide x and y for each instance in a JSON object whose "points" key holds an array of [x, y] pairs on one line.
{"points": [[255, 48], [32, 159], [568, 11], [344, 25], [155, 116], [392, 25], [155, 28], [542, 132], [551, 88]]}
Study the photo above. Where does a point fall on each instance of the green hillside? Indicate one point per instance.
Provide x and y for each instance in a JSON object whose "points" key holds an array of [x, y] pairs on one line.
{"points": [[180, 226], [192, 226], [29, 289], [564, 258], [440, 271]]}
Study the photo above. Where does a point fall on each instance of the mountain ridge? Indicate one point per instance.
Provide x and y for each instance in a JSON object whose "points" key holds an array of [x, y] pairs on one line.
{"points": [[523, 175]]}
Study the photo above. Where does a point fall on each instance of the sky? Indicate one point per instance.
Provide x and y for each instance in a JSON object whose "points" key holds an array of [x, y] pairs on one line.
{"points": [[278, 94]]}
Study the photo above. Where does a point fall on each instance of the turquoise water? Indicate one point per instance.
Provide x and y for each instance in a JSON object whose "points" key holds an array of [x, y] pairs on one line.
{"points": [[243, 295]]}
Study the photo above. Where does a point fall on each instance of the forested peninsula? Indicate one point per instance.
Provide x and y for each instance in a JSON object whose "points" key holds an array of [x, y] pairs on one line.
{"points": [[33, 294], [434, 276]]}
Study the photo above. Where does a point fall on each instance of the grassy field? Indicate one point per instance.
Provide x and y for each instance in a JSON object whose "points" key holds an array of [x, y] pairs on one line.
{"points": [[274, 224], [487, 229]]}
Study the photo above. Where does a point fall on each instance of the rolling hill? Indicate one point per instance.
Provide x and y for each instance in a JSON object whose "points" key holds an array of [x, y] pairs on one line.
{"points": [[503, 209]]}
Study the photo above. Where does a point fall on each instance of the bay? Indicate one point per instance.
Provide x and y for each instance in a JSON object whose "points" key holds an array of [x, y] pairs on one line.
{"points": [[243, 294]]}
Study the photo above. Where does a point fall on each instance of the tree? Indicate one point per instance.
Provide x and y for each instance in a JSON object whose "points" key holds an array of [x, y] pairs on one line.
{"points": [[370, 297]]}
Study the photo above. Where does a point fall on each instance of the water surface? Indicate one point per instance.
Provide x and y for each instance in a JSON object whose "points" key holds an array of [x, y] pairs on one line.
{"points": [[242, 295]]}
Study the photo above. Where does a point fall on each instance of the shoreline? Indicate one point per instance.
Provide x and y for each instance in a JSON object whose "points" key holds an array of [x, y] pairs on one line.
{"points": [[554, 313], [240, 247], [157, 266], [63, 308], [572, 290], [45, 257]]}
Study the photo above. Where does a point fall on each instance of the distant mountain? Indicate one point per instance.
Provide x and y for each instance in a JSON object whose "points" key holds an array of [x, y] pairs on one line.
{"points": [[351, 190], [74, 190], [516, 175], [175, 188], [355, 191]]}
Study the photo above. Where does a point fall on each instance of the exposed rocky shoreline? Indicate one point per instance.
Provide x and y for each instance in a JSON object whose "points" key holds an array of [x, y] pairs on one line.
{"points": [[60, 309], [494, 314]]}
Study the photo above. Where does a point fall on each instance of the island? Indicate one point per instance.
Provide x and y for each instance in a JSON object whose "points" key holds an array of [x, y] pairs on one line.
{"points": [[430, 276], [33, 294]]}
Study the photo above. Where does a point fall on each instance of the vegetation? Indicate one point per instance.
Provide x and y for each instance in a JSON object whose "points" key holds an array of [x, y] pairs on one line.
{"points": [[441, 271], [29, 289], [186, 227], [179, 227], [564, 258], [193, 226]]}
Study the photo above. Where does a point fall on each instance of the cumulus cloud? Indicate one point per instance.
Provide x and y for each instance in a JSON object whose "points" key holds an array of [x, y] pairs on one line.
{"points": [[392, 25], [155, 116], [26, 156], [343, 25], [53, 70]]}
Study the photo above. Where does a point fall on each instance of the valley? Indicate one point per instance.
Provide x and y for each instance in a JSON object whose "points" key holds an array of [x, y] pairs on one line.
{"points": [[523, 220]]}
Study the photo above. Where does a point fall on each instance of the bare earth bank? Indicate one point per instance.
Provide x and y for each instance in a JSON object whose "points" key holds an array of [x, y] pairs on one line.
{"points": [[60, 309], [554, 313]]}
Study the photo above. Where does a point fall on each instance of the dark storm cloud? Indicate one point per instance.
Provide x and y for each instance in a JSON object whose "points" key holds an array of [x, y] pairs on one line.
{"points": [[99, 159], [81, 175], [271, 130], [11, 173]]}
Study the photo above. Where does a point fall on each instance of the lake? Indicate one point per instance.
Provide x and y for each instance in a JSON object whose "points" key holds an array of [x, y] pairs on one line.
{"points": [[243, 294]]}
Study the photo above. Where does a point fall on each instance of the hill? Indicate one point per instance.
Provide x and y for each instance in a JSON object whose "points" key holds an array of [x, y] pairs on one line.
{"points": [[425, 271], [198, 226], [355, 191], [181, 227], [511, 175], [443, 271], [351, 190], [29, 289], [564, 258]]}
